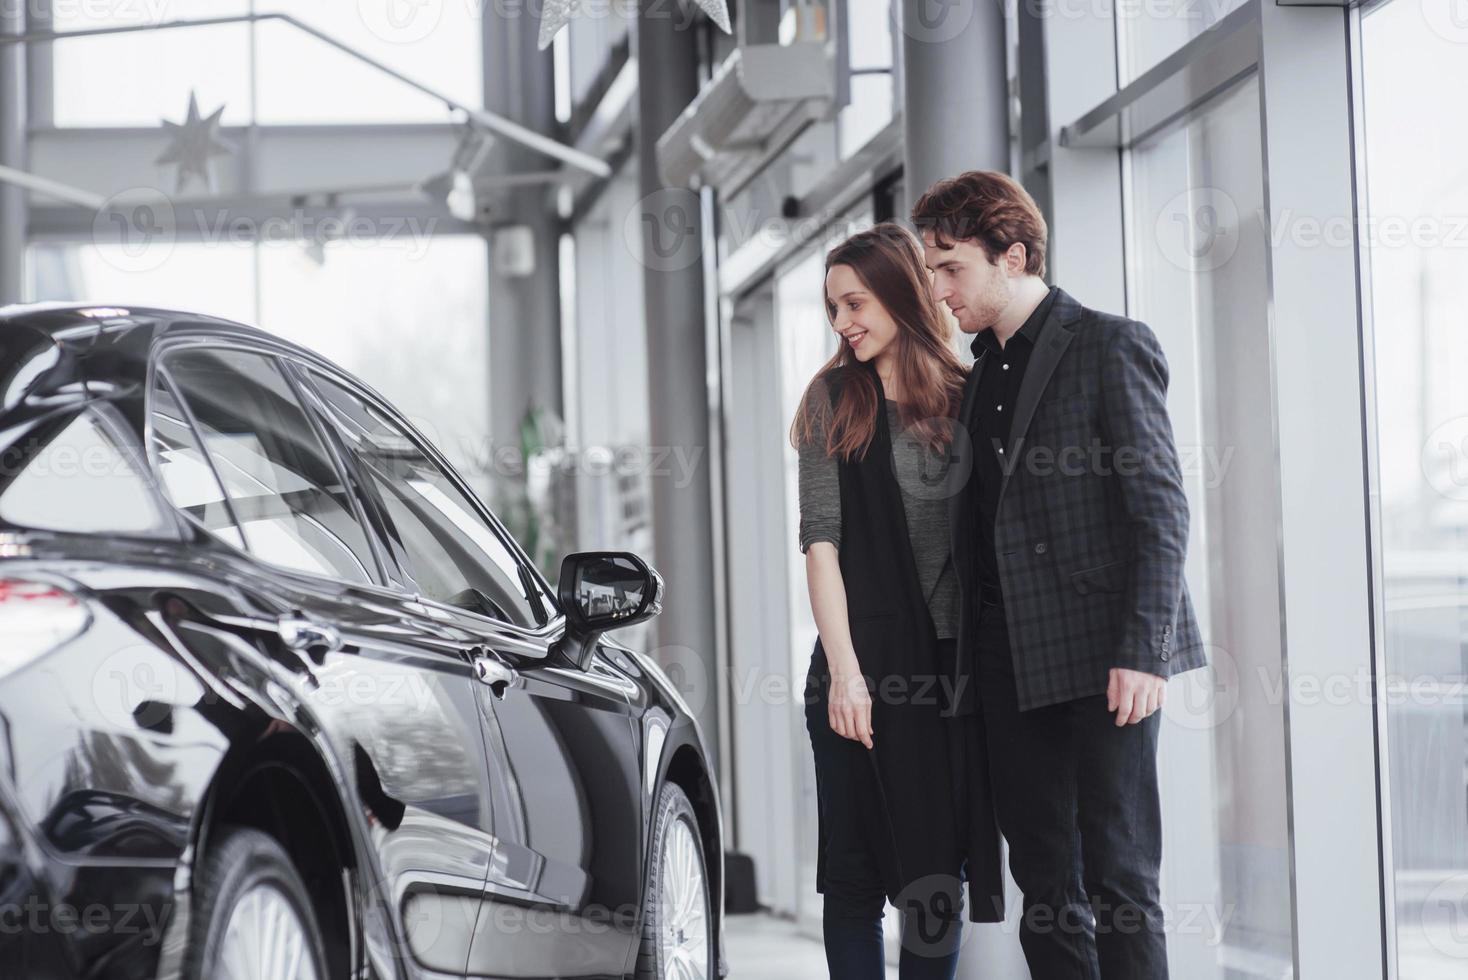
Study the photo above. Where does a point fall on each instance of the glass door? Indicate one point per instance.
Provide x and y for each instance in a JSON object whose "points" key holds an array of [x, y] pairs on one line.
{"points": [[1198, 276], [1415, 235]]}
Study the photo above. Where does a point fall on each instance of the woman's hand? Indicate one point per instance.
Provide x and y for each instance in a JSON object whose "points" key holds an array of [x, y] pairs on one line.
{"points": [[849, 707]]}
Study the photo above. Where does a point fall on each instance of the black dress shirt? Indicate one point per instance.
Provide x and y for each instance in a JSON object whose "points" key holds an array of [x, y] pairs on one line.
{"points": [[1000, 373]]}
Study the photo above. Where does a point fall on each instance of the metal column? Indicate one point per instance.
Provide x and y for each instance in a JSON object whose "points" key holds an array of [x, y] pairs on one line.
{"points": [[524, 311], [13, 207], [677, 369], [955, 113]]}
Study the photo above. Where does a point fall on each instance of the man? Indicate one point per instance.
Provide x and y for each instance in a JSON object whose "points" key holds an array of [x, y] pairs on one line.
{"points": [[1069, 535]]}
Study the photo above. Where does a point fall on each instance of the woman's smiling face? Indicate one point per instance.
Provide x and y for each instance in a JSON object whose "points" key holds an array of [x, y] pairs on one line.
{"points": [[857, 317]]}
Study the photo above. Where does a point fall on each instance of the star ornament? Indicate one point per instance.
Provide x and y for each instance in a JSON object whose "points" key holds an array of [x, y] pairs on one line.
{"points": [[558, 13], [192, 143]]}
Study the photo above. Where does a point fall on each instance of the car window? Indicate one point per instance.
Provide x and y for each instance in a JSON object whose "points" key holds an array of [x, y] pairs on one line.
{"points": [[283, 486], [78, 474], [182, 468], [453, 555]]}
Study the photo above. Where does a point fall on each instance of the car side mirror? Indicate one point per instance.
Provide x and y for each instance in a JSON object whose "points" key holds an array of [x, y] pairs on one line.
{"points": [[603, 590]]}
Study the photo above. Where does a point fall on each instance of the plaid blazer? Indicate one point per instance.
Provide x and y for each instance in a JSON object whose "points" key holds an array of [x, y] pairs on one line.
{"points": [[1092, 523]]}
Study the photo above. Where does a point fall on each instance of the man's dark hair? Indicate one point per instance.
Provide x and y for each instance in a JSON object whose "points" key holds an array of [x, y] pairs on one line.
{"points": [[987, 207]]}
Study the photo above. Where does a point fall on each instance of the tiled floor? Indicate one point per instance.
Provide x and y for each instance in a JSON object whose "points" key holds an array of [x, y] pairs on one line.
{"points": [[762, 947]]}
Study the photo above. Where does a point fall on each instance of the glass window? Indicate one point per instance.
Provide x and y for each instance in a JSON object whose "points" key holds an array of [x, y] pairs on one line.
{"points": [[1149, 30], [868, 26], [269, 72], [363, 307], [1198, 277], [77, 475], [132, 79], [453, 555], [143, 269], [282, 483], [182, 468], [1416, 196], [301, 79]]}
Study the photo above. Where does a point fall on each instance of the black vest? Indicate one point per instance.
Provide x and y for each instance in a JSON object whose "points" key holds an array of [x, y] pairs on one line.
{"points": [[920, 759], [892, 630]]}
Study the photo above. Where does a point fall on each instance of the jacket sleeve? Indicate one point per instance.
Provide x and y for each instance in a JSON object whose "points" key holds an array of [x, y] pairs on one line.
{"points": [[1144, 463]]}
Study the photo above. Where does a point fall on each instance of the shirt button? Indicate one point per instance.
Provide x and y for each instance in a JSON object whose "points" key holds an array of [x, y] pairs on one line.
{"points": [[1040, 548], [998, 408], [1001, 450], [1005, 366]]}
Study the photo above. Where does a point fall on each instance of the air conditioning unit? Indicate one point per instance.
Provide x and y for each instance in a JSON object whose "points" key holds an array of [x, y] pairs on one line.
{"points": [[760, 98]]}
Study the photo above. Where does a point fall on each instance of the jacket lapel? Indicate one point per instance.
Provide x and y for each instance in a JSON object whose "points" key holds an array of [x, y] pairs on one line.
{"points": [[1055, 337]]}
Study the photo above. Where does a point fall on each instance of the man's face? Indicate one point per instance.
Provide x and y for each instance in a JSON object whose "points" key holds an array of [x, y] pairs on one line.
{"points": [[975, 289]]}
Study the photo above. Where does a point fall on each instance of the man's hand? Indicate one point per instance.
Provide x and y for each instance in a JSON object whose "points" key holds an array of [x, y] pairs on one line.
{"points": [[850, 707], [1134, 694]]}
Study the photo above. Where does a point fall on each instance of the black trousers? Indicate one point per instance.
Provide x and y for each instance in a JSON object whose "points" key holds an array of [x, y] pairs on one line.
{"points": [[854, 897], [1076, 800]]}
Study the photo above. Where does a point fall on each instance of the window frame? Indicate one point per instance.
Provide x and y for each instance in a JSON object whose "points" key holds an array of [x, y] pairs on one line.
{"points": [[158, 375], [555, 616], [157, 365], [111, 421]]}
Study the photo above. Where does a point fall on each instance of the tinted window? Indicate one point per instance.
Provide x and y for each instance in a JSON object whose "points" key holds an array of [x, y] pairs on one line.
{"points": [[78, 474], [282, 483], [185, 473], [453, 555]]}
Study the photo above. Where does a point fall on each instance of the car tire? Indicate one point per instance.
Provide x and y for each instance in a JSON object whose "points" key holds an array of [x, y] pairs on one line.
{"points": [[677, 922], [251, 910]]}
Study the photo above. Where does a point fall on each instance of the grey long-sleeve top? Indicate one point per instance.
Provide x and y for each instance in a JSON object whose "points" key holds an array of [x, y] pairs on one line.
{"points": [[920, 473]]}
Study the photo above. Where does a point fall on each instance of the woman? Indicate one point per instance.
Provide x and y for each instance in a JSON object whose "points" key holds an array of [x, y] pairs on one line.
{"points": [[873, 434]]}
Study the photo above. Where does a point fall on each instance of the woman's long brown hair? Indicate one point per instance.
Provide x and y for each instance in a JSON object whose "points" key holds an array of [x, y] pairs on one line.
{"points": [[888, 259]]}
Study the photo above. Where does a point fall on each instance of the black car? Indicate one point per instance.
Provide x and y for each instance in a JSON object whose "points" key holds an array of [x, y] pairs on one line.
{"points": [[281, 698]]}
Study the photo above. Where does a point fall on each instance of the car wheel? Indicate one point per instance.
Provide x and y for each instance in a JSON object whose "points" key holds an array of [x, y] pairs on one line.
{"points": [[677, 925], [252, 918]]}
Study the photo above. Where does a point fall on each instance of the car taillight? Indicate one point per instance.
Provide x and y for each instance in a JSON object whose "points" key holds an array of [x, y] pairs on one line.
{"points": [[35, 618]]}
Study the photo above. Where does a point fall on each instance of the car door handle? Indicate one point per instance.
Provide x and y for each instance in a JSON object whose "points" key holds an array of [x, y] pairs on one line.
{"points": [[500, 676], [307, 635]]}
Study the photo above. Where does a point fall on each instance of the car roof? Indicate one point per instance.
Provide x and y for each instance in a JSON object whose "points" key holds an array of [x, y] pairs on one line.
{"points": [[127, 334]]}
